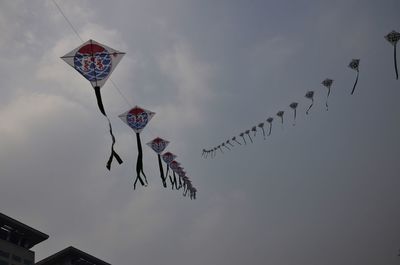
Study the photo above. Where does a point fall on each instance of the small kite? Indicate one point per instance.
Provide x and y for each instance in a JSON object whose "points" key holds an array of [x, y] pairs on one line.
{"points": [[354, 64], [168, 157], [224, 145], [280, 115], [219, 147], [95, 62], [328, 84], [270, 120], [254, 129], [158, 145], [234, 139], [310, 95], [174, 166], [204, 153], [137, 118], [213, 152], [293, 106], [244, 139], [229, 142], [248, 134], [261, 125], [393, 37]]}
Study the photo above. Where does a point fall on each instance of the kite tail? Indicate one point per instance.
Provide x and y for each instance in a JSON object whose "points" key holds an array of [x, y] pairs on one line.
{"points": [[220, 149], [244, 139], [294, 118], [327, 96], [99, 100], [312, 103], [395, 63], [251, 140], [237, 142], [180, 183], [161, 171], [231, 144], [139, 164], [170, 178], [175, 181], [263, 132], [113, 153], [270, 129], [227, 147], [101, 107], [355, 83]]}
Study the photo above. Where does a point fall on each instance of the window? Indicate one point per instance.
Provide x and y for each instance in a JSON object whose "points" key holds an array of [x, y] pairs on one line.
{"points": [[27, 262], [4, 254]]}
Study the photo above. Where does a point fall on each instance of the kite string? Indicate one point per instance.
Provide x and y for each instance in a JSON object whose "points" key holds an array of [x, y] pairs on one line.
{"points": [[112, 81], [68, 21], [81, 39]]}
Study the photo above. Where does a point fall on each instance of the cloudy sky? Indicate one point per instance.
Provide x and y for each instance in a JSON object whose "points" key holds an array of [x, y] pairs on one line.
{"points": [[325, 191]]}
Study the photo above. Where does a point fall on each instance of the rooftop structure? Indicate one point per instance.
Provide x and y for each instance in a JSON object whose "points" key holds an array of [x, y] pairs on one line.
{"points": [[18, 233], [16, 240], [71, 256]]}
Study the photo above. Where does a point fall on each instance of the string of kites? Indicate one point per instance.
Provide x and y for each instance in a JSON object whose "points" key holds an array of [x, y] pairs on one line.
{"points": [[95, 62], [393, 37]]}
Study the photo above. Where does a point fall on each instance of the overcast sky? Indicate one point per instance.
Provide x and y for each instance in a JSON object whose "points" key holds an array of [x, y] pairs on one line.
{"points": [[325, 191]]}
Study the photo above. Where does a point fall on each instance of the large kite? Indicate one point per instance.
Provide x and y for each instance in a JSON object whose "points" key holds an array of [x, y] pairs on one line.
{"points": [[95, 62]]}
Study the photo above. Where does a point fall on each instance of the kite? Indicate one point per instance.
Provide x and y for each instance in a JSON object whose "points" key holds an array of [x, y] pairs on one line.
{"points": [[174, 166], [244, 139], [95, 62], [204, 153], [227, 147], [270, 120], [280, 115], [393, 37], [254, 129], [327, 83], [158, 145], [261, 125], [310, 95], [354, 64], [168, 157], [293, 106], [229, 142], [137, 118], [219, 147], [234, 139], [248, 134]]}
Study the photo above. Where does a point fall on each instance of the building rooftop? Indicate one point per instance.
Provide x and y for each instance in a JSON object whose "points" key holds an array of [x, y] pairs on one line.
{"points": [[74, 256], [18, 233]]}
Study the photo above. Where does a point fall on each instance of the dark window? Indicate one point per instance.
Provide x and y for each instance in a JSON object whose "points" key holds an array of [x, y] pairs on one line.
{"points": [[16, 258], [3, 233], [3, 262], [4, 254], [27, 262]]}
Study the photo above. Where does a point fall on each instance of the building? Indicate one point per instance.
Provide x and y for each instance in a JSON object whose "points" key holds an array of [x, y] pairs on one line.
{"points": [[71, 256], [16, 240]]}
